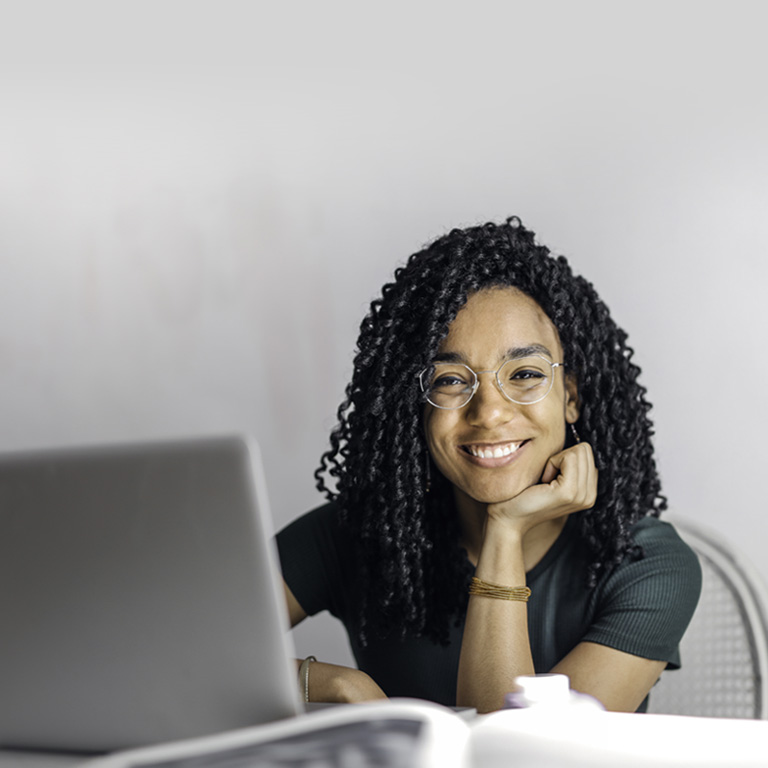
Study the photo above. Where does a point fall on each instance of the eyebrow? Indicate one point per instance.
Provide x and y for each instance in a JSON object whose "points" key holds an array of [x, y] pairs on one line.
{"points": [[513, 353]]}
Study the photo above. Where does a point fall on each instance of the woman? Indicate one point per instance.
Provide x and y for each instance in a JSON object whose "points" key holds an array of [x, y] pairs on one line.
{"points": [[494, 440]]}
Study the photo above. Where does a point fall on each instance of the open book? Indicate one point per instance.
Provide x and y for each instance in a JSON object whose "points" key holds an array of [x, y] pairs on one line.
{"points": [[393, 734], [415, 734]]}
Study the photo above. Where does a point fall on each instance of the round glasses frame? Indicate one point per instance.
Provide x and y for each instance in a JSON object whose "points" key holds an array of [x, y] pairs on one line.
{"points": [[476, 384]]}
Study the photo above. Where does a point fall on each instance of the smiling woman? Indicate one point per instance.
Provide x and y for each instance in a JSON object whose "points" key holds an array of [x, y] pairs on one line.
{"points": [[496, 502], [511, 426]]}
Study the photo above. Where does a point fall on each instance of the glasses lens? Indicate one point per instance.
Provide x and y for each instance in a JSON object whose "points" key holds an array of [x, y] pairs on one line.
{"points": [[448, 385], [527, 379]]}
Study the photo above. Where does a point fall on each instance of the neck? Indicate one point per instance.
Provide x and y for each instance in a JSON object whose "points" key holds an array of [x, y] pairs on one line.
{"points": [[472, 519]]}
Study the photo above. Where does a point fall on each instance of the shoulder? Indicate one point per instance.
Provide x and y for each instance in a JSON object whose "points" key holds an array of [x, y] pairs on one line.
{"points": [[660, 540], [320, 527], [653, 529], [316, 559], [646, 602], [667, 565], [325, 516]]}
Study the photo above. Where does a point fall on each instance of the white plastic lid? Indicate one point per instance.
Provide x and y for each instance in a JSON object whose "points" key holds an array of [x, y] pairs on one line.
{"points": [[544, 689]]}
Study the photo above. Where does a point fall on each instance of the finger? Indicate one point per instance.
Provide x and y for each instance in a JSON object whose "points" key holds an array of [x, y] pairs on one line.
{"points": [[553, 467], [580, 475], [571, 474], [585, 484], [564, 486], [557, 463], [589, 478], [551, 471]]}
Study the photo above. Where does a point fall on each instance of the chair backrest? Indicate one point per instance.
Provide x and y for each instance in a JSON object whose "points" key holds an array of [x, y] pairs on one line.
{"points": [[724, 653]]}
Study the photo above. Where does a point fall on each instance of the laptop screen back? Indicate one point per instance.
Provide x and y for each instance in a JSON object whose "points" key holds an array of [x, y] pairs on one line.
{"points": [[139, 596]]}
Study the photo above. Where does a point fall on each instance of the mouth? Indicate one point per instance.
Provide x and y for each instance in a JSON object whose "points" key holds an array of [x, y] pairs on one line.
{"points": [[492, 454]]}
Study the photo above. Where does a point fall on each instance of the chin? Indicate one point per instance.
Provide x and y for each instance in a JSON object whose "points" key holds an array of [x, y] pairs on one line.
{"points": [[496, 495]]}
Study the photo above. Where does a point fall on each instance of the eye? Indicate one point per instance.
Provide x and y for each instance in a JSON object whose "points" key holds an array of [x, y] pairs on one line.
{"points": [[447, 380], [526, 374]]}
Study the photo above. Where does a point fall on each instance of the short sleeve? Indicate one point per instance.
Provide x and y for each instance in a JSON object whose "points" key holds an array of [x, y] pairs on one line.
{"points": [[314, 556], [646, 605]]}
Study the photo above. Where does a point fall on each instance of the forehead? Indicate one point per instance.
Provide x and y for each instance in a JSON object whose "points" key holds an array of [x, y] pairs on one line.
{"points": [[496, 320]]}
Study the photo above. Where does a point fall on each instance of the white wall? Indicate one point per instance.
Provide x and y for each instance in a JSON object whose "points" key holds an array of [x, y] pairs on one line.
{"points": [[198, 201]]}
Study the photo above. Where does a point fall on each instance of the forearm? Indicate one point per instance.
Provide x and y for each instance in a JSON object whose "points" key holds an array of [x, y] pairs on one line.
{"points": [[495, 647]]}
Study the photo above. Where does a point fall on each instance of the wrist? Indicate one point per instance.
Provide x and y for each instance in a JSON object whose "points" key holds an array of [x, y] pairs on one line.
{"points": [[304, 677], [340, 685], [502, 529], [350, 686], [501, 558]]}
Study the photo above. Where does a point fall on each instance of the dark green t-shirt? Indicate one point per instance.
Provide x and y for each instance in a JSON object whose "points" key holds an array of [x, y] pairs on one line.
{"points": [[642, 607]]}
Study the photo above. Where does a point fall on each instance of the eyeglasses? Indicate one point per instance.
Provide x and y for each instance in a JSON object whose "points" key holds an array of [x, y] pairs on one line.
{"points": [[523, 380]]}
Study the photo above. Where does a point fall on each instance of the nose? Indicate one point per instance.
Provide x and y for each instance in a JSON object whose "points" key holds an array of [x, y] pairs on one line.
{"points": [[488, 407]]}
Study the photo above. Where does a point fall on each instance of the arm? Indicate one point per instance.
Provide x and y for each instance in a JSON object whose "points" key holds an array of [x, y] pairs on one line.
{"points": [[646, 607], [313, 553], [331, 682], [496, 647], [620, 681]]}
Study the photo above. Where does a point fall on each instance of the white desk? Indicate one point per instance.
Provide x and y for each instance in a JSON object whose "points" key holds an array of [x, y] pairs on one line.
{"points": [[547, 739]]}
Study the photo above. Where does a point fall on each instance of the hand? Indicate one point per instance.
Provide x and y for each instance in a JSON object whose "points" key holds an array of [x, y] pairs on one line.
{"points": [[337, 684], [568, 484]]}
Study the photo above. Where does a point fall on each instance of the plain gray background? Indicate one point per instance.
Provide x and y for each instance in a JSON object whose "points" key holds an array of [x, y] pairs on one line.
{"points": [[198, 201]]}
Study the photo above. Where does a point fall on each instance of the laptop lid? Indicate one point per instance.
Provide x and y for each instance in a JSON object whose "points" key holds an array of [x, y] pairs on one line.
{"points": [[139, 596]]}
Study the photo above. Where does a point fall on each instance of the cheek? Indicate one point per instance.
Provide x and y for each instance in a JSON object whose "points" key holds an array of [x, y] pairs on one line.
{"points": [[431, 425], [552, 424], [438, 426]]}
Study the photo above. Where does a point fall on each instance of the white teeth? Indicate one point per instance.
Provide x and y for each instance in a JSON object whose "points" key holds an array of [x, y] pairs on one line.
{"points": [[493, 453]]}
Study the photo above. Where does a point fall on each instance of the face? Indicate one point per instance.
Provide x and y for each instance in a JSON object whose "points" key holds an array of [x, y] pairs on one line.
{"points": [[485, 333]]}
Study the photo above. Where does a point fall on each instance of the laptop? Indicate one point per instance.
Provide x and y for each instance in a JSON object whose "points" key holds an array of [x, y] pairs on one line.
{"points": [[139, 595]]}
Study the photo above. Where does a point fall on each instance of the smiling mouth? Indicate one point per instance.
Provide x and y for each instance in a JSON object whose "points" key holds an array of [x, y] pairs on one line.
{"points": [[492, 451]]}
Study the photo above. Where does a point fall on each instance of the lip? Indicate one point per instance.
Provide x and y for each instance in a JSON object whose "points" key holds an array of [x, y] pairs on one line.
{"points": [[496, 461]]}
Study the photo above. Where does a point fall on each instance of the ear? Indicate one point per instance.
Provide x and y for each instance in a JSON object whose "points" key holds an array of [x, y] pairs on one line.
{"points": [[572, 402]]}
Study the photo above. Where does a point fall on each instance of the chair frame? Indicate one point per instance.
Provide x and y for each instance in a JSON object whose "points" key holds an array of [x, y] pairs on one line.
{"points": [[749, 591]]}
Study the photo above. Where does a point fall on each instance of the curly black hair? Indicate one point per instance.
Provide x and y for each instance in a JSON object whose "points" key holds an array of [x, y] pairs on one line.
{"points": [[413, 572]]}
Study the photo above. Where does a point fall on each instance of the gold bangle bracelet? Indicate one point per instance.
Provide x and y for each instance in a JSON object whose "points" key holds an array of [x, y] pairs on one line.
{"points": [[304, 676], [499, 591]]}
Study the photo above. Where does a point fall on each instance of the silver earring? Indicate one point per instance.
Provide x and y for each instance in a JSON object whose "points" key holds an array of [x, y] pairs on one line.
{"points": [[428, 484], [575, 434]]}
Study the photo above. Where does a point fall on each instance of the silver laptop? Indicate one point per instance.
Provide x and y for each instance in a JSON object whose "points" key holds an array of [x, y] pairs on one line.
{"points": [[139, 596]]}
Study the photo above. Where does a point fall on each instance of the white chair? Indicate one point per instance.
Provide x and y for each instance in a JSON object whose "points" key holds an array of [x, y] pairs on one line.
{"points": [[724, 653]]}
